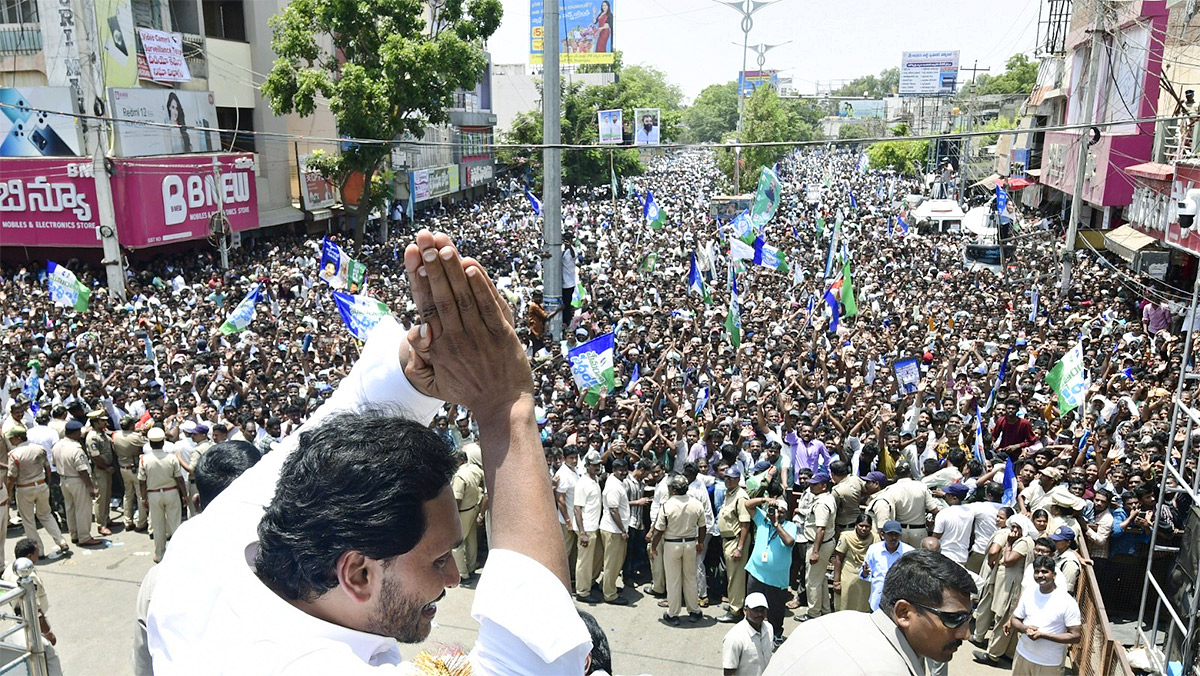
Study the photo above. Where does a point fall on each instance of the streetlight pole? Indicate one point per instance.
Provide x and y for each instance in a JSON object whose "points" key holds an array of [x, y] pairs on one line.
{"points": [[746, 8], [552, 288]]}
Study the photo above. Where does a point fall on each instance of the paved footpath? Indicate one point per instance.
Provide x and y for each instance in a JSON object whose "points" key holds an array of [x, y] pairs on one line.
{"points": [[93, 594]]}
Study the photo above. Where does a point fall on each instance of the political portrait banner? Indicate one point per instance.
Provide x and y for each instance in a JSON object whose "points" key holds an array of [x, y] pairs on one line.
{"points": [[610, 126], [647, 131], [339, 270], [908, 376]]}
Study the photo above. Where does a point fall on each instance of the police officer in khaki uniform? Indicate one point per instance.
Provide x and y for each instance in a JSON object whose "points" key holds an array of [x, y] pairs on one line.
{"points": [[680, 526], [77, 487], [29, 480], [161, 479], [100, 450], [819, 530], [912, 503], [467, 486], [733, 523], [127, 444], [847, 494]]}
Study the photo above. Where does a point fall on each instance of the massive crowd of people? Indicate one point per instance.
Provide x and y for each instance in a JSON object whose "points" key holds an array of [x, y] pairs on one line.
{"points": [[785, 473]]}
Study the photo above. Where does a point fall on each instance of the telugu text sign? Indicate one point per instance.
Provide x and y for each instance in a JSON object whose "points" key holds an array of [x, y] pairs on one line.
{"points": [[928, 73]]}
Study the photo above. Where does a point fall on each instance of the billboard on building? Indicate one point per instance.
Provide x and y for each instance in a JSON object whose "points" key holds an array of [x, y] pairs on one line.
{"points": [[862, 108], [61, 29], [928, 73], [647, 131], [610, 126], [118, 50], [477, 174], [749, 80], [164, 56], [316, 191], [585, 31], [163, 122], [426, 184], [170, 199], [30, 127], [48, 202]]}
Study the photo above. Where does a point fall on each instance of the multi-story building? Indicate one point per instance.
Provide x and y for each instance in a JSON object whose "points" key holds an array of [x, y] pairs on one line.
{"points": [[166, 104]]}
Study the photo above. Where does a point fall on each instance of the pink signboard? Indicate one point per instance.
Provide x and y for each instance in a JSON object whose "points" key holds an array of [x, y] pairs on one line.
{"points": [[171, 198], [48, 202]]}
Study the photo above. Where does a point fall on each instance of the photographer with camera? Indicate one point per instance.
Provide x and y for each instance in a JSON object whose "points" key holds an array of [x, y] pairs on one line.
{"points": [[769, 565]]}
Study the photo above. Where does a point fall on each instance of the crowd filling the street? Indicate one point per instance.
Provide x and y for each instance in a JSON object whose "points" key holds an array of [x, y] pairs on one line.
{"points": [[820, 425]]}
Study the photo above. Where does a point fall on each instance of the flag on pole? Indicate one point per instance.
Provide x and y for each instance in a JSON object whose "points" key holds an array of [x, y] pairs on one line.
{"points": [[848, 291], [890, 220], [614, 183], [592, 367], [633, 378], [820, 226], [65, 288], [1069, 380], [579, 295], [339, 270], [361, 314], [743, 227], [534, 202], [812, 302], [1033, 301], [733, 322], [977, 447], [701, 400], [902, 224], [243, 314], [648, 262], [650, 211], [829, 256], [833, 309], [1010, 484], [1001, 200], [410, 206], [696, 282], [863, 163], [853, 202], [766, 198]]}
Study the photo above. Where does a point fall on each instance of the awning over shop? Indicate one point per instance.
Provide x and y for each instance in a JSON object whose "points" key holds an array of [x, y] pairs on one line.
{"points": [[1127, 242], [989, 182], [1018, 183], [1152, 170], [1034, 172]]}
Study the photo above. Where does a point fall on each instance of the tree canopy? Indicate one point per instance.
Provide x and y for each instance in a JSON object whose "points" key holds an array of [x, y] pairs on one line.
{"points": [[871, 86], [713, 114], [766, 118], [1019, 77], [383, 69]]}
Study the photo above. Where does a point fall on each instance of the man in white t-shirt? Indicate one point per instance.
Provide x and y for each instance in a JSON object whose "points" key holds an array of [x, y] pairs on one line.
{"points": [[588, 507], [614, 531], [954, 525], [1046, 621]]}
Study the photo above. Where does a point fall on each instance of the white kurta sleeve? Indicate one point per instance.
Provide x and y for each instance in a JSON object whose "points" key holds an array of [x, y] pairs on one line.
{"points": [[527, 621]]}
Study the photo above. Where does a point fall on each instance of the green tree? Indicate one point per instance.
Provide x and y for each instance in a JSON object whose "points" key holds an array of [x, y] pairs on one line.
{"points": [[1019, 77], [713, 114], [765, 120], [853, 132], [902, 129], [383, 68], [905, 157], [870, 86], [637, 86]]}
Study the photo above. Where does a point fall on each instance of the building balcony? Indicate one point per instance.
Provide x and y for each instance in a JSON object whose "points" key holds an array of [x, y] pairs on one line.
{"points": [[20, 38]]}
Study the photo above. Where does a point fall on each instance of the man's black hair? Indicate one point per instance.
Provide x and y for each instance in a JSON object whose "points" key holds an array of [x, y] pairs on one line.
{"points": [[25, 548], [220, 465], [1044, 542], [601, 653], [839, 468], [1043, 562], [356, 482], [921, 576]]}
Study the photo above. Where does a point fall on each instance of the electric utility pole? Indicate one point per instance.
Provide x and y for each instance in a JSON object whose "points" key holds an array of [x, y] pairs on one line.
{"points": [[552, 287]]}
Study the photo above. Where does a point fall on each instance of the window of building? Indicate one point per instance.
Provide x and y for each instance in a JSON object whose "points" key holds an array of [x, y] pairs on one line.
{"points": [[224, 19], [184, 18], [147, 14], [18, 11], [237, 127]]}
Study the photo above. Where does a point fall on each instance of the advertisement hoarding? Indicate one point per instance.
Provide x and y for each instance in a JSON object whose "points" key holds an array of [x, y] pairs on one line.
{"points": [[749, 80], [61, 29], [164, 56], [429, 183], [29, 129], [48, 202], [170, 199], [316, 191], [585, 31], [928, 73], [149, 114], [862, 108], [610, 126], [118, 52], [477, 174], [647, 131]]}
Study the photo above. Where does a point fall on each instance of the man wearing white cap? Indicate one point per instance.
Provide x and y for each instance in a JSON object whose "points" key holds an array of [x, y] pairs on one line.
{"points": [[748, 646], [163, 491]]}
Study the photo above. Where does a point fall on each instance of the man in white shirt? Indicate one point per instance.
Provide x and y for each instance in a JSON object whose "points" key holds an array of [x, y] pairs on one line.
{"points": [[984, 526], [880, 558], [698, 488], [1046, 621], [564, 497], [322, 599], [748, 646], [954, 524], [589, 504], [614, 530]]}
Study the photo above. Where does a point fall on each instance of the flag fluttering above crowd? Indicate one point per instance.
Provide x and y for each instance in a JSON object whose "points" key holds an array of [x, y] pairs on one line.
{"points": [[66, 289]]}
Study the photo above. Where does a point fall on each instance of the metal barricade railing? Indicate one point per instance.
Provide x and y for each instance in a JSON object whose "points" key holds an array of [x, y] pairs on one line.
{"points": [[18, 604], [1097, 653]]}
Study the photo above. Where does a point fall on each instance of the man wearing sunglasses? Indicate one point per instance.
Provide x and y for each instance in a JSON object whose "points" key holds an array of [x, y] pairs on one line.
{"points": [[924, 614]]}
